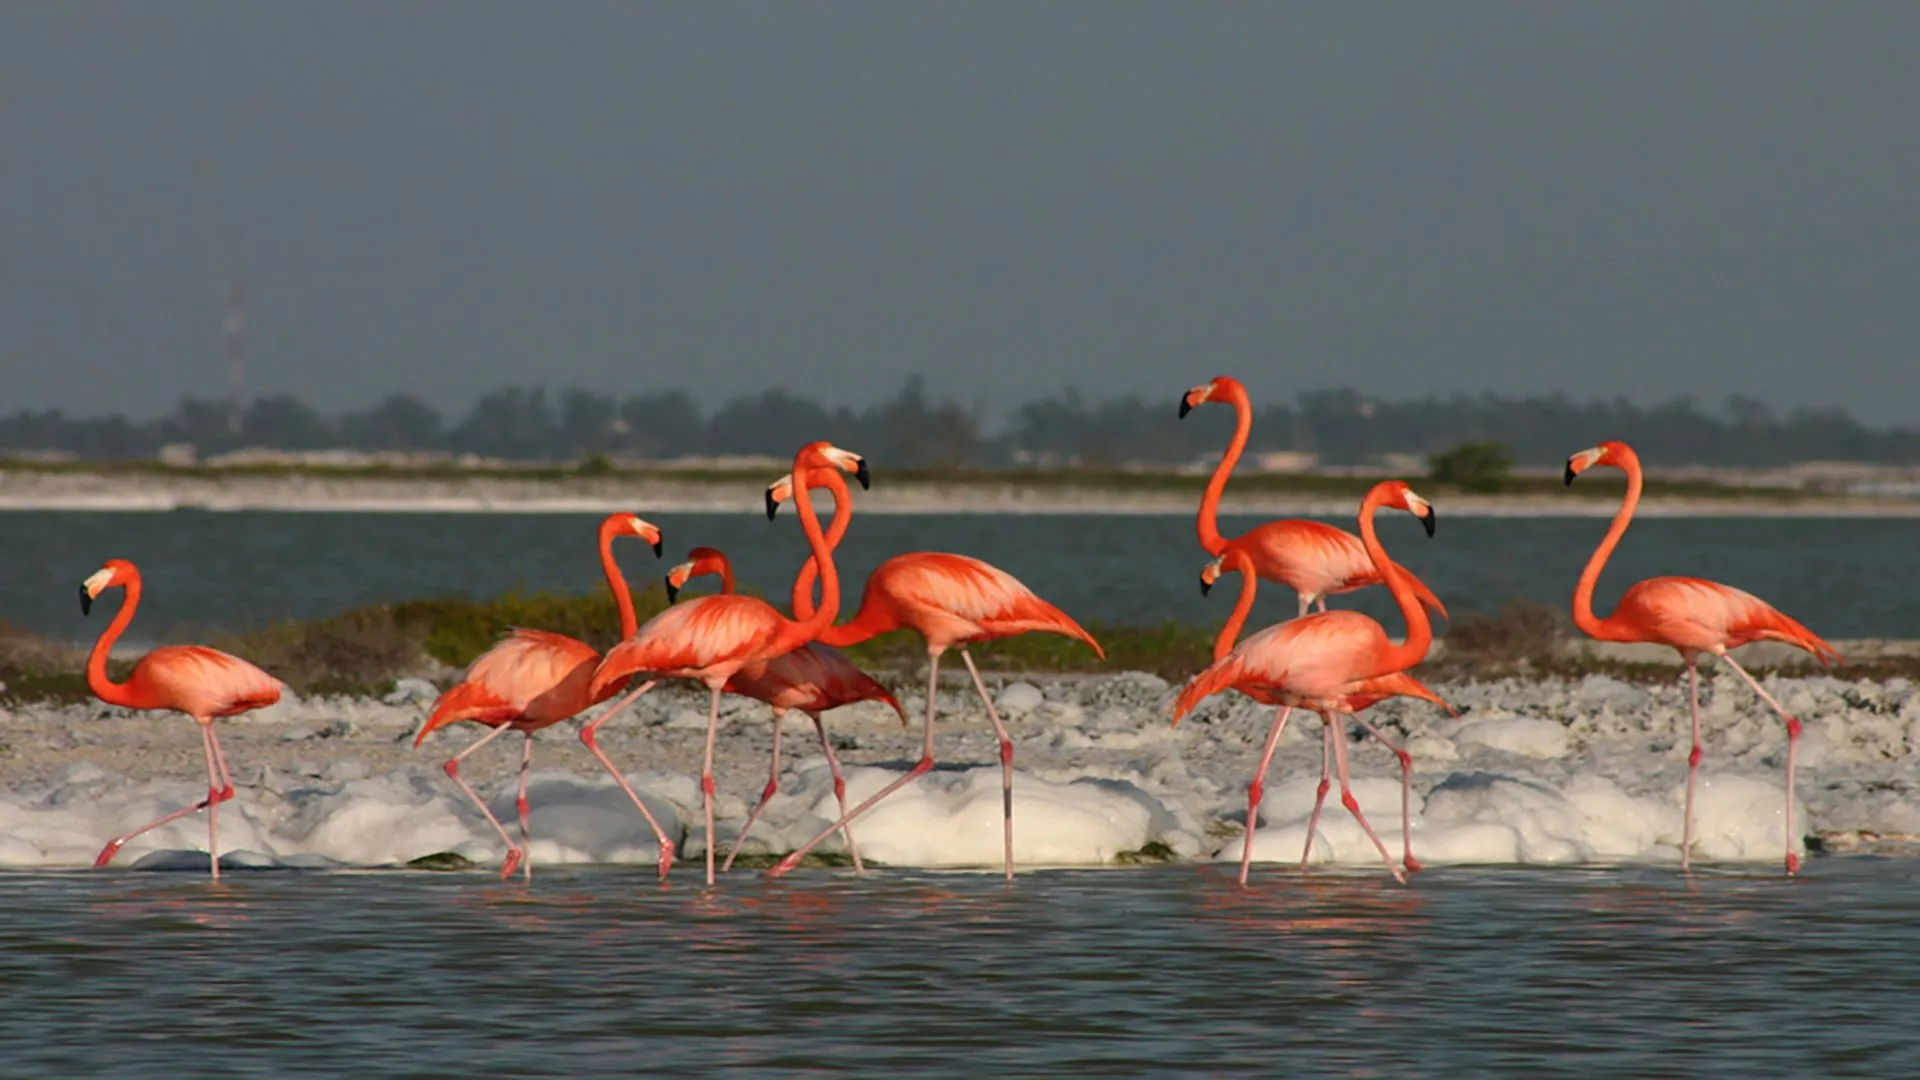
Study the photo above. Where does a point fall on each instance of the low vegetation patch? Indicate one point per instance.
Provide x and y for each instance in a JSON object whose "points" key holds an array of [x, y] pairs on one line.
{"points": [[364, 650]]}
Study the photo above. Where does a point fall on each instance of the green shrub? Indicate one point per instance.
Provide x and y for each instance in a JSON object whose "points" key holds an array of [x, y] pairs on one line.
{"points": [[1474, 466]]}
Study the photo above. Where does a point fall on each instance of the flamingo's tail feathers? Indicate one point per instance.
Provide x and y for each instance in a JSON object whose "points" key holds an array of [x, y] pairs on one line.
{"points": [[1775, 625], [1425, 594], [467, 701], [893, 703], [1035, 614], [620, 663], [1215, 678], [1401, 684]]}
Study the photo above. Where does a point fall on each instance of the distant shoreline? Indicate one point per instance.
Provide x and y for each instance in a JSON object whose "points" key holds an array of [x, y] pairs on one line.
{"points": [[318, 493]]}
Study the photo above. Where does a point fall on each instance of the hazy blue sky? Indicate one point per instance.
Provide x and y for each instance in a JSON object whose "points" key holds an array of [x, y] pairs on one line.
{"points": [[1645, 198]]}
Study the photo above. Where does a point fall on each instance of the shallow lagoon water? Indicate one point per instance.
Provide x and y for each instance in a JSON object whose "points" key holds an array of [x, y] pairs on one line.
{"points": [[234, 569], [1151, 971]]}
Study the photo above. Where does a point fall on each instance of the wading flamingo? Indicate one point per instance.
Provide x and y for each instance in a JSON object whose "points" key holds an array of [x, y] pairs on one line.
{"points": [[534, 679], [1312, 558], [203, 683], [949, 600], [1317, 661], [1690, 616], [1364, 695], [812, 678], [714, 638]]}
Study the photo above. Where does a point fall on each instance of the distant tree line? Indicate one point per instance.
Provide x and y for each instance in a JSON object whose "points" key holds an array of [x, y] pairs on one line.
{"points": [[912, 429]]}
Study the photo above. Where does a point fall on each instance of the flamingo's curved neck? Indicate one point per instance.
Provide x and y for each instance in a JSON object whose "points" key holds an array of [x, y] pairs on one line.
{"points": [[106, 689], [1583, 616], [617, 584], [802, 598], [1419, 630], [1241, 562], [1208, 523], [796, 634], [724, 567]]}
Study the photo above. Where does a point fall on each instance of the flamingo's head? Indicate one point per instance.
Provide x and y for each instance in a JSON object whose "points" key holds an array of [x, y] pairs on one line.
{"points": [[1210, 573], [1612, 452], [700, 561], [1222, 388], [112, 572], [634, 525], [844, 460], [1398, 496]]}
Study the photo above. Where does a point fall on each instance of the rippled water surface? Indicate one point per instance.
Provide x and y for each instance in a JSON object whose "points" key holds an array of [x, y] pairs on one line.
{"points": [[1165, 971], [1842, 577]]}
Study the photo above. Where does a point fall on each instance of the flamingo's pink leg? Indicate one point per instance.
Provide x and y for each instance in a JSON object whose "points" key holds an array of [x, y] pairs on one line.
{"points": [[514, 853], [839, 790], [1793, 746], [216, 794], [1352, 804], [1006, 755], [1320, 795], [766, 793], [1693, 761], [520, 804], [1258, 788], [1406, 794], [919, 769], [589, 737]]}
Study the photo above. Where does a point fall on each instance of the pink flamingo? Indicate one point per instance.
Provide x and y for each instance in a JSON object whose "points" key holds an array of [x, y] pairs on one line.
{"points": [[714, 638], [1317, 661], [1312, 558], [203, 683], [812, 678], [1364, 695], [1691, 616], [534, 679], [949, 600]]}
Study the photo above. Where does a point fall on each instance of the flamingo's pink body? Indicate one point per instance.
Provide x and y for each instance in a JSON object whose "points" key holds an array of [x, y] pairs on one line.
{"points": [[813, 678], [533, 679], [1692, 616], [714, 638], [1314, 559], [1360, 696], [949, 600], [204, 683], [1322, 662]]}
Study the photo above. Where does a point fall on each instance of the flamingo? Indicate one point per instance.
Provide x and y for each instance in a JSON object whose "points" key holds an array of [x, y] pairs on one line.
{"points": [[1317, 661], [534, 679], [1312, 558], [812, 678], [949, 600], [714, 638], [1364, 694], [1690, 616], [203, 683]]}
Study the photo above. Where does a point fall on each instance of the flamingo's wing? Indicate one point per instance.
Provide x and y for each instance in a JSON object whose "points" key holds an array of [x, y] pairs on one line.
{"points": [[1695, 613], [202, 682], [691, 637], [936, 584], [535, 674], [1316, 656]]}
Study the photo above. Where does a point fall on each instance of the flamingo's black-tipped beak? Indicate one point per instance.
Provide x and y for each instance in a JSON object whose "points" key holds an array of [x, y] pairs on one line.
{"points": [[1427, 521], [1185, 408], [864, 475], [773, 505], [1205, 586], [86, 601], [1570, 473], [673, 591], [659, 548]]}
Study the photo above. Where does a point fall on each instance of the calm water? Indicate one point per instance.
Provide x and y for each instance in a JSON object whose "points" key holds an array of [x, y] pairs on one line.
{"points": [[1157, 971], [1843, 577]]}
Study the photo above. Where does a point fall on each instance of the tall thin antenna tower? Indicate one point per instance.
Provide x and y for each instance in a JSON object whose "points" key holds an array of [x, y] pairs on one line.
{"points": [[236, 353]]}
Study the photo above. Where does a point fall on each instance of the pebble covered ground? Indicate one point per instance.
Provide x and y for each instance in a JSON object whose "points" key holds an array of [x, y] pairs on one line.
{"points": [[1535, 770]]}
